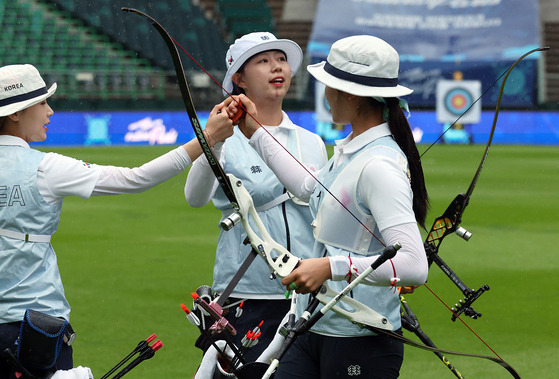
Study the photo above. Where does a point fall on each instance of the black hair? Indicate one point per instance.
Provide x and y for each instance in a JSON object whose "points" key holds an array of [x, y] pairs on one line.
{"points": [[401, 131], [237, 90]]}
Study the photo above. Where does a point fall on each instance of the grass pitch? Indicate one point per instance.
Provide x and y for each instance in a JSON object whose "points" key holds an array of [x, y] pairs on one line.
{"points": [[128, 262]]}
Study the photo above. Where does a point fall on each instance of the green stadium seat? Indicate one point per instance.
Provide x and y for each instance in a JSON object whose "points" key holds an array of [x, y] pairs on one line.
{"points": [[66, 37]]}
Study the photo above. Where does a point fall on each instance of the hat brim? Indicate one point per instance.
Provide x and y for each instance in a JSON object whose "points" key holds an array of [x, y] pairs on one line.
{"points": [[292, 51], [318, 72], [16, 107]]}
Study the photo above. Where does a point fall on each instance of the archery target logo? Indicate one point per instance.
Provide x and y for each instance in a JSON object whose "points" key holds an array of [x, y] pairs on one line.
{"points": [[456, 98]]}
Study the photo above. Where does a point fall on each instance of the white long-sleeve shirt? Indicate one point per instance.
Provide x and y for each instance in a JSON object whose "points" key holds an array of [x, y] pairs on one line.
{"points": [[60, 176], [410, 263]]}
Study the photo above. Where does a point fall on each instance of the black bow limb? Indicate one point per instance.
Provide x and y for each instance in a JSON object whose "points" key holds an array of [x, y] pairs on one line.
{"points": [[411, 323]]}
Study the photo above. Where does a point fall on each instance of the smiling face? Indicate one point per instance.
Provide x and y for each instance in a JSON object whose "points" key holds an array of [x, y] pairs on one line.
{"points": [[266, 75], [30, 123]]}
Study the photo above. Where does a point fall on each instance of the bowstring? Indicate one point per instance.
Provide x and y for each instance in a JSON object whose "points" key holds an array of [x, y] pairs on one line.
{"points": [[279, 143], [463, 322]]}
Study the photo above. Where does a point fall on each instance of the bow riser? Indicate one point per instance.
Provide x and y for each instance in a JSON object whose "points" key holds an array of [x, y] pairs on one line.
{"points": [[444, 225]]}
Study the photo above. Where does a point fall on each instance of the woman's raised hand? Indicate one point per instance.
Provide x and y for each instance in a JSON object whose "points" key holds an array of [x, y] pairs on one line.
{"points": [[219, 126], [247, 122]]}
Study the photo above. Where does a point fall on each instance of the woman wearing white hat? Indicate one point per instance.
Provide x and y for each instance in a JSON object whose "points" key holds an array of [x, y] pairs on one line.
{"points": [[32, 187], [260, 66], [376, 173]]}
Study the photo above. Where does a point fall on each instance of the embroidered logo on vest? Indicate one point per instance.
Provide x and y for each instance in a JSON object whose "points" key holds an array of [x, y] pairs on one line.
{"points": [[354, 370]]}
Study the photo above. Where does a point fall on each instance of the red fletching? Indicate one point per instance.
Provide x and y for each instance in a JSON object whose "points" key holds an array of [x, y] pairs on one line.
{"points": [[157, 345]]}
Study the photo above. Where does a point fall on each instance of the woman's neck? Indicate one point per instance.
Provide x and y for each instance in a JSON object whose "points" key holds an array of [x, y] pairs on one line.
{"points": [[364, 122], [269, 113]]}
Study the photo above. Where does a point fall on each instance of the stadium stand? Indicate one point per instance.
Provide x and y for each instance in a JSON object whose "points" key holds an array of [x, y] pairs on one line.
{"points": [[98, 53], [239, 17], [65, 50]]}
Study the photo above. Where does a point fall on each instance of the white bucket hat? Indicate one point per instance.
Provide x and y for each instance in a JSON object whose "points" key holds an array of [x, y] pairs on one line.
{"points": [[362, 66], [253, 43], [21, 86]]}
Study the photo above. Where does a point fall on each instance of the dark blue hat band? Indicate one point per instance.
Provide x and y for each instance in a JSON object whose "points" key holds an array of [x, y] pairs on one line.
{"points": [[23, 97], [360, 79]]}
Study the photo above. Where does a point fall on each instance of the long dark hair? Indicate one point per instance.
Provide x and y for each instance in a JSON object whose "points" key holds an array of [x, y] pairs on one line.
{"points": [[401, 131]]}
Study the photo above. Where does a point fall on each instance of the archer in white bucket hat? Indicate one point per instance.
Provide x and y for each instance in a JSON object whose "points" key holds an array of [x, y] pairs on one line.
{"points": [[363, 66], [33, 186], [253, 43], [376, 174], [261, 66], [21, 86]]}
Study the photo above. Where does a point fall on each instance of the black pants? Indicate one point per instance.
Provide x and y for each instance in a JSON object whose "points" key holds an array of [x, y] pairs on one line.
{"points": [[8, 335], [318, 356]]}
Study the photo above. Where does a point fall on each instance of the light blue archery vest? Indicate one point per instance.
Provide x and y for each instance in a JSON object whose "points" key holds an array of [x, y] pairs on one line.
{"points": [[337, 234], [280, 220], [29, 276]]}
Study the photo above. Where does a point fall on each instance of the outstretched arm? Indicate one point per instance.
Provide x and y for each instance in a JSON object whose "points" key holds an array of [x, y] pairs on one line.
{"points": [[201, 183], [218, 128]]}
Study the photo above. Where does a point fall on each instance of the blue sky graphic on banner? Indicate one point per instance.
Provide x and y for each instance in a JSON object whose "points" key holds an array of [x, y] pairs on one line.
{"points": [[436, 38]]}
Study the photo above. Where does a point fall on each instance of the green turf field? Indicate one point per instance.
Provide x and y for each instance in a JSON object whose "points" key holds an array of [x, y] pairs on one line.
{"points": [[128, 262]]}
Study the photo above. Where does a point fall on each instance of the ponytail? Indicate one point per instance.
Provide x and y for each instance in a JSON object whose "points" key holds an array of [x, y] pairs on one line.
{"points": [[401, 131]]}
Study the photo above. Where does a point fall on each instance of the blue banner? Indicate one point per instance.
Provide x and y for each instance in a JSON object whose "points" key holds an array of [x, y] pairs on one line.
{"points": [[173, 128], [438, 38], [120, 128]]}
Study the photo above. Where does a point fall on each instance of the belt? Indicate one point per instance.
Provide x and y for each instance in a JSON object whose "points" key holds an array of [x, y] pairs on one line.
{"points": [[277, 201], [25, 236]]}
